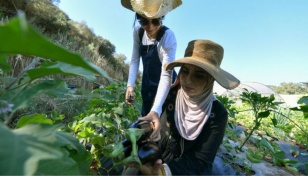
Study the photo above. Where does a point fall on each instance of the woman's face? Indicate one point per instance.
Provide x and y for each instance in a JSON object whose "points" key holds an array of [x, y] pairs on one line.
{"points": [[151, 26], [193, 79]]}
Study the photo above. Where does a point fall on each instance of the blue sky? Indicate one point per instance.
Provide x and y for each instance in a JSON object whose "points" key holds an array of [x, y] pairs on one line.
{"points": [[265, 41]]}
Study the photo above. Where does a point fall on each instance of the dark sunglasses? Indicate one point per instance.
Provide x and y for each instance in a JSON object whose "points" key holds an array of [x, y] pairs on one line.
{"points": [[145, 22]]}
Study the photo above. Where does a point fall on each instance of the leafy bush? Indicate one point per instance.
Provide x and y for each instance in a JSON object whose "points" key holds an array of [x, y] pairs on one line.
{"points": [[42, 149]]}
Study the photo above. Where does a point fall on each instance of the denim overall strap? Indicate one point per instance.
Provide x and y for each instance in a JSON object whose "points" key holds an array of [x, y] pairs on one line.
{"points": [[160, 34], [151, 71]]}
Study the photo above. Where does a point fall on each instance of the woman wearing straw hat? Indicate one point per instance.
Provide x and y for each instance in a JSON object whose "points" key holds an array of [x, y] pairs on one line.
{"points": [[194, 121], [156, 45]]}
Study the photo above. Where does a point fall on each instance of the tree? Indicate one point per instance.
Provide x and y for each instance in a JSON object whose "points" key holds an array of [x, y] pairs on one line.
{"points": [[291, 88], [120, 57], [47, 16], [305, 85], [106, 48]]}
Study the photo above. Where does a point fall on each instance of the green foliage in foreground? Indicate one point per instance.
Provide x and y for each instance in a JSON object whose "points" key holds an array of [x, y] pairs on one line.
{"points": [[38, 147]]}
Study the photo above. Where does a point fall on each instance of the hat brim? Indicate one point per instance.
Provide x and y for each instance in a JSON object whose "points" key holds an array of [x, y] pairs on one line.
{"points": [[127, 4], [151, 12], [221, 76]]}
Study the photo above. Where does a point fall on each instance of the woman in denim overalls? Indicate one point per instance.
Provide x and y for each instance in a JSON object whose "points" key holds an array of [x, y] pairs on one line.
{"points": [[156, 45]]}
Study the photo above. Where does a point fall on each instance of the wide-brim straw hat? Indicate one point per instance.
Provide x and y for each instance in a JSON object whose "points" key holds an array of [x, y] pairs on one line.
{"points": [[151, 8], [207, 55]]}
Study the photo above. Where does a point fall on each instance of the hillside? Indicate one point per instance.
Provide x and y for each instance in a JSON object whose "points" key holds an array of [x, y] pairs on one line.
{"points": [[54, 24]]}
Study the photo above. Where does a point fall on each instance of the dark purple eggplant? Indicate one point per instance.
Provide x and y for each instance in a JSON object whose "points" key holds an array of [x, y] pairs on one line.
{"points": [[127, 147], [88, 147], [149, 152]]}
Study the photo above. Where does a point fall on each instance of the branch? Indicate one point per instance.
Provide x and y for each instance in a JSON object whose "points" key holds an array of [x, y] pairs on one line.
{"points": [[291, 121], [14, 6], [32, 64]]}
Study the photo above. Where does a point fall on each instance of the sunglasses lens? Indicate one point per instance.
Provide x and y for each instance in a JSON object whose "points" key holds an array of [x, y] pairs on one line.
{"points": [[156, 22], [143, 22]]}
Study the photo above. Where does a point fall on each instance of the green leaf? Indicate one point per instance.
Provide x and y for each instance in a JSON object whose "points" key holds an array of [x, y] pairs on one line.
{"points": [[279, 158], [98, 139], [274, 122], [271, 98], [270, 135], [60, 68], [112, 151], [131, 160], [77, 152], [303, 108], [17, 37], [55, 87], [264, 114], [4, 65], [118, 110], [34, 118], [118, 120], [109, 97], [303, 100], [94, 102], [293, 169], [92, 119], [254, 157], [229, 147], [268, 145], [288, 161], [34, 150], [133, 134]]}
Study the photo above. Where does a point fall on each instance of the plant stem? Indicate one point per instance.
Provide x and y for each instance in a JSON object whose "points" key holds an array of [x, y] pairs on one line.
{"points": [[32, 64], [291, 121], [254, 128]]}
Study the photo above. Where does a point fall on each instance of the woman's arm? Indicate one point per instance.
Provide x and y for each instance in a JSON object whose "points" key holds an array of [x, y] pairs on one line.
{"points": [[135, 59], [167, 50]]}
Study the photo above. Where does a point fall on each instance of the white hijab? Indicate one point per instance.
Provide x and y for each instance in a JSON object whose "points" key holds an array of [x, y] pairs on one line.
{"points": [[191, 113]]}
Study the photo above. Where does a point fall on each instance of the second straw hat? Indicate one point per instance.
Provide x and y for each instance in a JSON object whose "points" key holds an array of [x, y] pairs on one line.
{"points": [[151, 8], [207, 55]]}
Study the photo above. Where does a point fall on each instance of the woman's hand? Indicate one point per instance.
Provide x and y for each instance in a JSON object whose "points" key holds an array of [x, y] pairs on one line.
{"points": [[148, 169], [153, 117], [130, 95]]}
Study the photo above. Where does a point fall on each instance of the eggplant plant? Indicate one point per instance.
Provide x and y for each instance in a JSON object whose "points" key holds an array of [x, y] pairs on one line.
{"points": [[261, 108], [104, 123], [134, 149]]}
